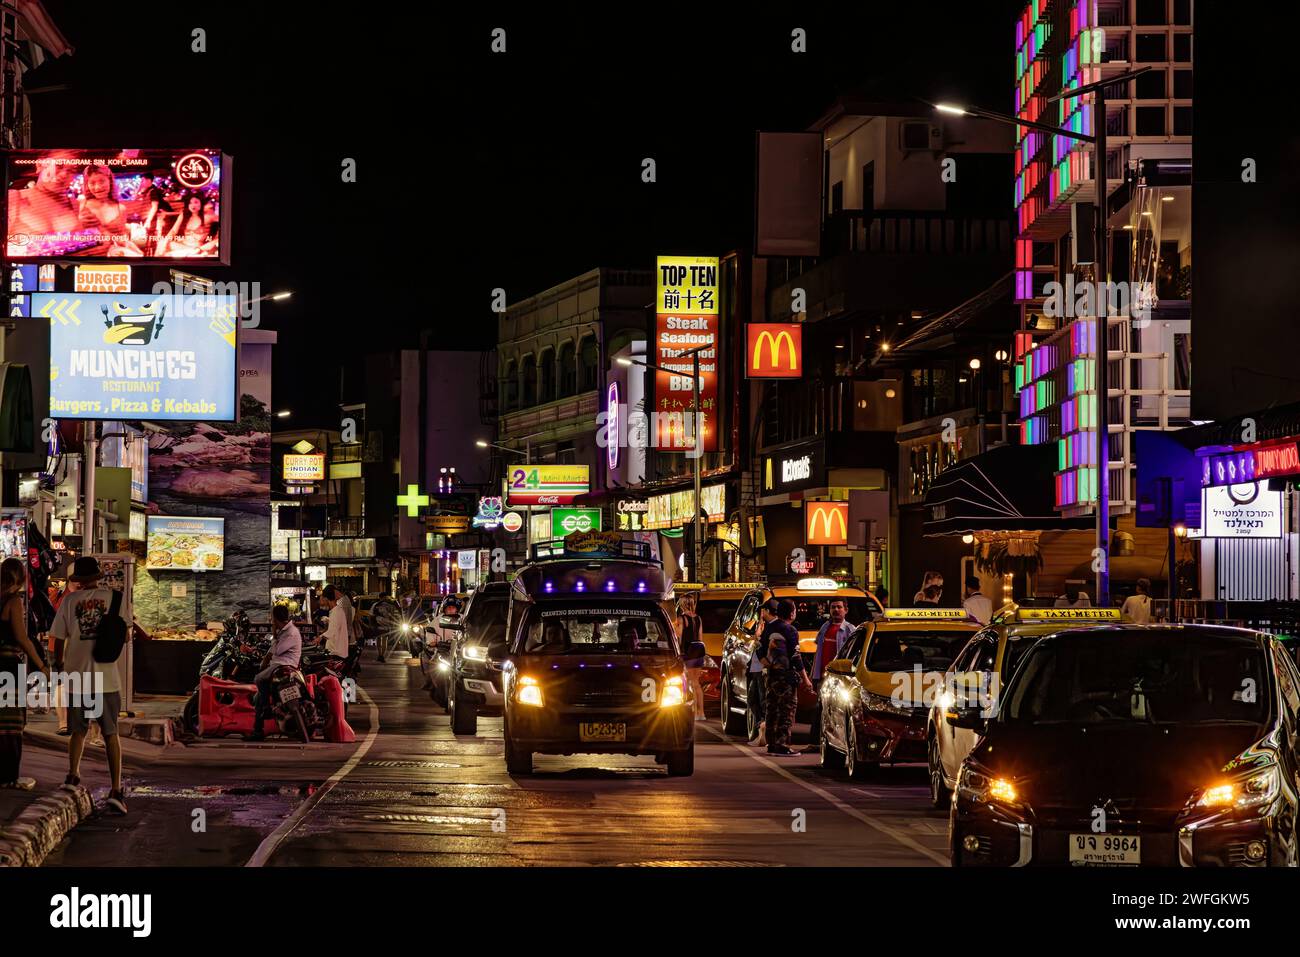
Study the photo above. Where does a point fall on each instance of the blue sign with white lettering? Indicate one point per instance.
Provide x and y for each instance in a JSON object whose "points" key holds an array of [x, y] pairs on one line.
{"points": [[133, 356]]}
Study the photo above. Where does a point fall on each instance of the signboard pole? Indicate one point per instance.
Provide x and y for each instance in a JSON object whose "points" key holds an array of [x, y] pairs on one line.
{"points": [[698, 449], [91, 454], [528, 515]]}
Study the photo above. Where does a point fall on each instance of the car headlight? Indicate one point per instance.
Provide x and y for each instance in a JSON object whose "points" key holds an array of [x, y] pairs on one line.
{"points": [[674, 692], [1257, 787], [975, 785], [475, 652], [406, 626], [879, 702], [530, 692]]}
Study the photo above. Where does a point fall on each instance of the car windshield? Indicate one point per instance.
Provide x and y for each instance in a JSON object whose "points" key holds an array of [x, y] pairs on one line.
{"points": [[597, 631], [1153, 677], [716, 613], [896, 650], [811, 612], [487, 616]]}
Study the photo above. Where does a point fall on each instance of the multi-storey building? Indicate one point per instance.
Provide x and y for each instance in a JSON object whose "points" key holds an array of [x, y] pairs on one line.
{"points": [[1059, 46]]}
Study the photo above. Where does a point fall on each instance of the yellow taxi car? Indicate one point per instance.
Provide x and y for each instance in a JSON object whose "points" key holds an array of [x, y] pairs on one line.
{"points": [[877, 693], [978, 673], [812, 598], [716, 604]]}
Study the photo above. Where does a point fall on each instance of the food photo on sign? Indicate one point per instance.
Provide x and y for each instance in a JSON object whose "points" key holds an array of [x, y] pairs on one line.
{"points": [[163, 205]]}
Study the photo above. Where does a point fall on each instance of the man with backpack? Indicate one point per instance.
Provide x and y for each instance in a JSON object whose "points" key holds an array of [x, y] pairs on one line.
{"points": [[90, 631]]}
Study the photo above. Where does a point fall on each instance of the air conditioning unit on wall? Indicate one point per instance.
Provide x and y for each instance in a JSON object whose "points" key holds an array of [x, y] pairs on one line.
{"points": [[920, 135]]}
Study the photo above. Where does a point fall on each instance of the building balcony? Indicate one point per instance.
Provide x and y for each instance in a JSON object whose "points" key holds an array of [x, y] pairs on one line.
{"points": [[563, 416]]}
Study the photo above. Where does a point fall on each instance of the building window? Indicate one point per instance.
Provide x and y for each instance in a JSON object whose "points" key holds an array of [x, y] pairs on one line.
{"points": [[1150, 86], [546, 376], [1183, 47], [528, 381], [568, 363], [1182, 121], [1150, 48], [1183, 12], [1150, 12], [510, 386], [587, 364], [1182, 84], [1150, 121]]}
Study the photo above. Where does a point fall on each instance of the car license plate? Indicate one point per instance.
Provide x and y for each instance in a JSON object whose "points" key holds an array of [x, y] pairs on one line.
{"points": [[1116, 849], [602, 731], [289, 693]]}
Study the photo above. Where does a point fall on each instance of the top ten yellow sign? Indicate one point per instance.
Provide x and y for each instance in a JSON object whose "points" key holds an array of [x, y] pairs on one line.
{"points": [[687, 286]]}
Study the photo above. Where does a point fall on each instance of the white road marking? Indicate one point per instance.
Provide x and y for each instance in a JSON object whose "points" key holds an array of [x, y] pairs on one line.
{"points": [[843, 806], [870, 794], [273, 840]]}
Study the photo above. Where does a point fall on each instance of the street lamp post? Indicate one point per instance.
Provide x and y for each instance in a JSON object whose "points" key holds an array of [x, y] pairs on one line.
{"points": [[697, 440], [1101, 553]]}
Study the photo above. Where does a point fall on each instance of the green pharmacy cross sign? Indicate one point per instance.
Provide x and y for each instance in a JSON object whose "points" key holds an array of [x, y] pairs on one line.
{"points": [[564, 521], [413, 500]]}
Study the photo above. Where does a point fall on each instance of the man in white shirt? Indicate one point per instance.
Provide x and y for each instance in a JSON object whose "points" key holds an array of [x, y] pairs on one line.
{"points": [[286, 651], [335, 638], [1137, 608], [977, 605], [96, 692]]}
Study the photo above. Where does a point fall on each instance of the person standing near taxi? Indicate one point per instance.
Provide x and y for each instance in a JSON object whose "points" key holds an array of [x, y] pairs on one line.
{"points": [[832, 635], [755, 697], [977, 605], [781, 658]]}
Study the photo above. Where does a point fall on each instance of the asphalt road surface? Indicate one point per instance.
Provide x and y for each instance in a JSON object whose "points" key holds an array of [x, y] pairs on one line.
{"points": [[410, 792]]}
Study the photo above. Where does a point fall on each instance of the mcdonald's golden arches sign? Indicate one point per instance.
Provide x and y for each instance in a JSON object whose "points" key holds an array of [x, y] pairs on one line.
{"points": [[828, 523], [774, 350]]}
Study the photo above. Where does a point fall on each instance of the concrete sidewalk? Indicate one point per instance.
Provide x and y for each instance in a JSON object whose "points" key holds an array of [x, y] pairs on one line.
{"points": [[32, 823]]}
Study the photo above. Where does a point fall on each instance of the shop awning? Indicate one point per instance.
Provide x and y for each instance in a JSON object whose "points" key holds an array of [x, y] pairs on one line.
{"points": [[1007, 489]]}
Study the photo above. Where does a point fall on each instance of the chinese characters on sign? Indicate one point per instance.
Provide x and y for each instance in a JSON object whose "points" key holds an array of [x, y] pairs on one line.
{"points": [[686, 317]]}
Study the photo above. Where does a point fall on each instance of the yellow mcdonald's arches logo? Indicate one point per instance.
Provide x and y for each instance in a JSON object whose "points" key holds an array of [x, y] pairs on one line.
{"points": [[781, 340], [767, 474], [775, 347], [828, 515]]}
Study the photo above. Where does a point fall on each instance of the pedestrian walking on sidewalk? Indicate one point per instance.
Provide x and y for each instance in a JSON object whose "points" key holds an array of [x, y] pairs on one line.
{"points": [[97, 694], [14, 647]]}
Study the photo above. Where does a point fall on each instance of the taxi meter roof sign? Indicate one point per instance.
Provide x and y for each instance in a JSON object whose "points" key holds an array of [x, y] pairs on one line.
{"points": [[1068, 614], [932, 614]]}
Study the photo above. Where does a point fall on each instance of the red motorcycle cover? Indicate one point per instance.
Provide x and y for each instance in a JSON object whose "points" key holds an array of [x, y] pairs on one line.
{"points": [[227, 707], [337, 730]]}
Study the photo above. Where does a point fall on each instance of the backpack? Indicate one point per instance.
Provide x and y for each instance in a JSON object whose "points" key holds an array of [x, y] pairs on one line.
{"points": [[110, 635]]}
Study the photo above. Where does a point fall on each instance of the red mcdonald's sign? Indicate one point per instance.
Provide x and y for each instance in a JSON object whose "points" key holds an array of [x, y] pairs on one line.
{"points": [[827, 523], [774, 350]]}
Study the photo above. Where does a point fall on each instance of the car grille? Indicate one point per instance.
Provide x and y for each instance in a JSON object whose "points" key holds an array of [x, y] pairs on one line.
{"points": [[598, 690]]}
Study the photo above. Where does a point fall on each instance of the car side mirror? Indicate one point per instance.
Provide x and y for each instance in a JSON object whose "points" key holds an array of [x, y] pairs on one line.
{"points": [[840, 666], [971, 719]]}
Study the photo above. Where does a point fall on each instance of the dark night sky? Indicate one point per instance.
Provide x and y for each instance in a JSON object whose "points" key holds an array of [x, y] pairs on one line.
{"points": [[478, 170]]}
